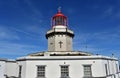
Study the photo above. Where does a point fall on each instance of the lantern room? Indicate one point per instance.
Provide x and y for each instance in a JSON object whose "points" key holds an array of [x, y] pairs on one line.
{"points": [[59, 19]]}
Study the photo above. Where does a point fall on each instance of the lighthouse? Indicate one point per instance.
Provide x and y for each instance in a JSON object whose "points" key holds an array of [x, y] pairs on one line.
{"points": [[59, 37], [60, 61]]}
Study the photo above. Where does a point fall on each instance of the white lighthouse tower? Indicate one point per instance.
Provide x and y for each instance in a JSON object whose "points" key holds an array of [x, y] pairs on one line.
{"points": [[59, 37]]}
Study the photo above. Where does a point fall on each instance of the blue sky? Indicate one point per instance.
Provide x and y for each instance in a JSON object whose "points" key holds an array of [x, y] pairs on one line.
{"points": [[23, 24]]}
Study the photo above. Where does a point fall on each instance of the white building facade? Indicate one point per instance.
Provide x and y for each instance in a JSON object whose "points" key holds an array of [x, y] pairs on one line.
{"points": [[73, 67], [2, 68], [60, 61], [8, 68]]}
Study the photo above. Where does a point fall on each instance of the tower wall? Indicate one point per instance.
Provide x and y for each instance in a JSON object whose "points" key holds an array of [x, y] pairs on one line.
{"points": [[59, 39], [69, 43], [51, 43], [60, 47]]}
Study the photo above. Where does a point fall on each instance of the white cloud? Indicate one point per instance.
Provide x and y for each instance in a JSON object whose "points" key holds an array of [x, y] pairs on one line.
{"points": [[8, 48], [33, 8], [104, 42], [112, 12], [35, 29], [71, 10], [109, 11], [117, 14], [6, 33], [108, 35], [33, 32]]}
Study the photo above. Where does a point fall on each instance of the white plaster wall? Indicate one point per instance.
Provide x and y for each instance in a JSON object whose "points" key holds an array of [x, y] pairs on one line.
{"points": [[51, 43], [61, 38], [53, 68], [23, 64], [113, 68], [67, 40], [69, 43], [55, 46], [2, 69], [11, 68]]}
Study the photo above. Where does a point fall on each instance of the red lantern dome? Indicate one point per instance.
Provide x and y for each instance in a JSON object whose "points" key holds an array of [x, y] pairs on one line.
{"points": [[59, 19]]}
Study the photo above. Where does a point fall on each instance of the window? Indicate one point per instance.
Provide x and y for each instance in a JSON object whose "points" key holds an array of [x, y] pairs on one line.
{"points": [[117, 68], [41, 71], [106, 69], [65, 71], [20, 71], [87, 71]]}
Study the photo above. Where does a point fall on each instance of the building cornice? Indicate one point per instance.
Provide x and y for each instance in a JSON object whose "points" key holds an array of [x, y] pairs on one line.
{"points": [[29, 58], [2, 59], [57, 32]]}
